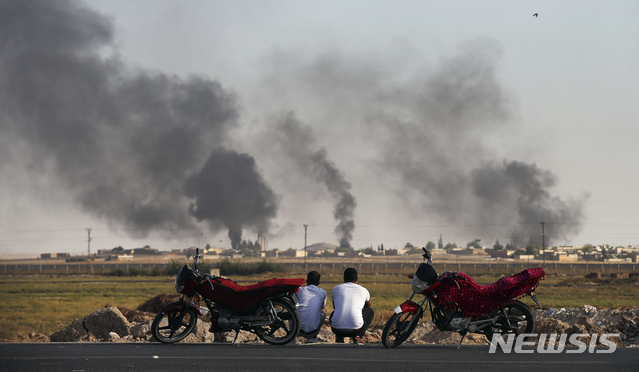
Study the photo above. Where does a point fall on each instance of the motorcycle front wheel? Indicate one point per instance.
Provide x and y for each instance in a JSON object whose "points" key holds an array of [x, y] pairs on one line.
{"points": [[173, 327], [399, 328], [285, 323]]}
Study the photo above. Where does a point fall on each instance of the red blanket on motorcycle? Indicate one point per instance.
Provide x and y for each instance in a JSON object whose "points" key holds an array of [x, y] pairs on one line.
{"points": [[475, 299], [240, 297]]}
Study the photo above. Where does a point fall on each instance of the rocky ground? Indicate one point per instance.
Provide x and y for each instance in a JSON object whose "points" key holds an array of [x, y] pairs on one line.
{"points": [[117, 324]]}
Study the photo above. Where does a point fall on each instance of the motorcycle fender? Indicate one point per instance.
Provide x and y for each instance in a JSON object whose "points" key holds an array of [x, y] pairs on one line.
{"points": [[407, 307], [180, 306]]}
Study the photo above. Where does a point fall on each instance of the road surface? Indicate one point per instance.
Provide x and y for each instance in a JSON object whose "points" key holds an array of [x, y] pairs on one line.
{"points": [[78, 357]]}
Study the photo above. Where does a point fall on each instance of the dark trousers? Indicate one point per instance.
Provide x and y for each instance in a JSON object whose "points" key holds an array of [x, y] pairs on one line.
{"points": [[367, 313], [313, 334]]}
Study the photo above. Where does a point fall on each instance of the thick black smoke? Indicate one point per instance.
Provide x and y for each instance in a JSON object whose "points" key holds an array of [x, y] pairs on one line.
{"points": [[298, 141], [229, 190], [123, 141], [510, 187], [438, 146]]}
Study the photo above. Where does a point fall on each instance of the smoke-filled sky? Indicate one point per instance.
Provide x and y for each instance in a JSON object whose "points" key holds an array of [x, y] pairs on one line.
{"points": [[372, 122]]}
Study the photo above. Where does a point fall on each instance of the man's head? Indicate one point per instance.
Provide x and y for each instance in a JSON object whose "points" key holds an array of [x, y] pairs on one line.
{"points": [[350, 275], [313, 278]]}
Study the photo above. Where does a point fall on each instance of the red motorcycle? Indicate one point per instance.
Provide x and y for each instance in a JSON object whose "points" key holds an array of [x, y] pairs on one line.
{"points": [[458, 304], [268, 308]]}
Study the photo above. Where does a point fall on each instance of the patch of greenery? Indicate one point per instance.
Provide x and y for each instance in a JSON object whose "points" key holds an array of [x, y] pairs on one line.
{"points": [[228, 267], [48, 304]]}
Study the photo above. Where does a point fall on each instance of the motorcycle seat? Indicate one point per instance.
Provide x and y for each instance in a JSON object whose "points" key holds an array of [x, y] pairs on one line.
{"points": [[270, 283], [242, 297], [509, 282], [459, 291]]}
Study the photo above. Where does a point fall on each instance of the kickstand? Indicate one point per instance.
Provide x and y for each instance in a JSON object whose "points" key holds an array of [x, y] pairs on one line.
{"points": [[462, 340], [237, 333]]}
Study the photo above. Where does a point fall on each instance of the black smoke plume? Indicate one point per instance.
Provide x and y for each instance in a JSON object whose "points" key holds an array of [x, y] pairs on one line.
{"points": [[122, 140], [229, 190], [299, 142], [519, 191], [438, 146]]}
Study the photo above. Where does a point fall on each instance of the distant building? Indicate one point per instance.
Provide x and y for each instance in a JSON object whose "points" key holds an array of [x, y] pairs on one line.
{"points": [[292, 253], [503, 253], [524, 257], [142, 251], [471, 251], [214, 250], [321, 248], [269, 254], [55, 255]]}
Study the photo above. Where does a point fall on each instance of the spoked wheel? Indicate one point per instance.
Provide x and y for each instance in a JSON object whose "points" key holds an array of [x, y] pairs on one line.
{"points": [[399, 328], [285, 324], [173, 327], [520, 320]]}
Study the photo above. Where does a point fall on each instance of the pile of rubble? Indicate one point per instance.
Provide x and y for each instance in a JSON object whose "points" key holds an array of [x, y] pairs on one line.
{"points": [[118, 324], [590, 320], [105, 324]]}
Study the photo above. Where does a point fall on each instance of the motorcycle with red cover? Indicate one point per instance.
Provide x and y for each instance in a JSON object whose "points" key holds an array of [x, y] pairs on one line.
{"points": [[268, 308], [456, 303]]}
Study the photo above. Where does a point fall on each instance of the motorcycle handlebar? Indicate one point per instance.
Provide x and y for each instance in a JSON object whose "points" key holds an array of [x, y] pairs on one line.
{"points": [[427, 255]]}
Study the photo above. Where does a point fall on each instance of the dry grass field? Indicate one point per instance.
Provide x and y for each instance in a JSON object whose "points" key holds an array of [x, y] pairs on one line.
{"points": [[45, 304]]}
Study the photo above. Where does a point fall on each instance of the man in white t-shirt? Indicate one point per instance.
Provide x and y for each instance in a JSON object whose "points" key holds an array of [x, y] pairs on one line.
{"points": [[353, 313], [312, 301]]}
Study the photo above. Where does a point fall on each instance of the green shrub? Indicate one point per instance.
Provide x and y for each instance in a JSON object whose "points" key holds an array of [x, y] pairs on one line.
{"points": [[228, 267], [118, 272], [173, 267], [269, 267]]}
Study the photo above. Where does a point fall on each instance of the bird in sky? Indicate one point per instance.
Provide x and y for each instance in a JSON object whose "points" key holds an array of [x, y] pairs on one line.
{"points": [[535, 15]]}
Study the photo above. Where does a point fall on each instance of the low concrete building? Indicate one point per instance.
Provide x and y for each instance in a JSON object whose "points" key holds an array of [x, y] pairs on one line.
{"points": [[524, 257], [269, 254], [503, 253], [55, 255]]}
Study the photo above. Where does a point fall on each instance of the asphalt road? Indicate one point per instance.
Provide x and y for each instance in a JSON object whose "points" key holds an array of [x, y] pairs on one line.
{"points": [[78, 357]]}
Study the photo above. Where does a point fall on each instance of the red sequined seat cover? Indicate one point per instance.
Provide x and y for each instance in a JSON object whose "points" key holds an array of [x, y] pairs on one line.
{"points": [[240, 297], [475, 299]]}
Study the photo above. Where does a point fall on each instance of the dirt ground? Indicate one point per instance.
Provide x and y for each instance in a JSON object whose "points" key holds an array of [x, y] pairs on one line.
{"points": [[586, 319]]}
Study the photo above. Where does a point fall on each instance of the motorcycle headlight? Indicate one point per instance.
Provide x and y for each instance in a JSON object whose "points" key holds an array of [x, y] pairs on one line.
{"points": [[178, 287]]}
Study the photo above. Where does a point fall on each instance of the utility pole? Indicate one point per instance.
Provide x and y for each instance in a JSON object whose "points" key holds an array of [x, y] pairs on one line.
{"points": [[88, 249], [543, 243], [305, 229]]}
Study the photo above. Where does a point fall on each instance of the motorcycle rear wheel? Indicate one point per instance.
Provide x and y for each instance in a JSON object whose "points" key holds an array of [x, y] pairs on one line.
{"points": [[399, 327], [520, 317], [173, 327], [284, 327]]}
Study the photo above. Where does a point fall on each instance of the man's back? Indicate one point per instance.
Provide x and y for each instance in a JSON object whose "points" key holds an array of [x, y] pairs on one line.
{"points": [[313, 300], [349, 300]]}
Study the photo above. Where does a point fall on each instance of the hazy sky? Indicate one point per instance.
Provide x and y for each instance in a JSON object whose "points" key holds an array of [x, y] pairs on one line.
{"points": [[374, 122]]}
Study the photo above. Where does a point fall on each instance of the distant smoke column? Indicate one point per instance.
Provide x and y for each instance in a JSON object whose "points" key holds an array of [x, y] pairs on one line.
{"points": [[230, 192], [326, 171], [436, 139], [523, 189], [235, 236], [299, 144], [121, 140]]}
